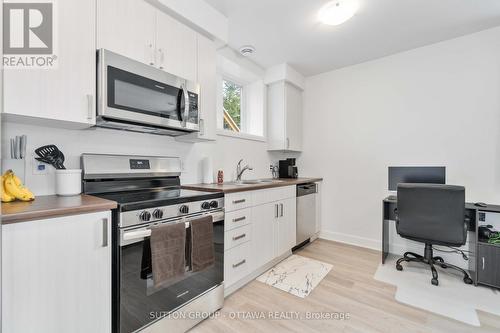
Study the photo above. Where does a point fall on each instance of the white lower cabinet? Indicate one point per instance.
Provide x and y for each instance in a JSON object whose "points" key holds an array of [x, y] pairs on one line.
{"points": [[260, 227], [56, 275], [264, 234], [285, 232], [237, 263]]}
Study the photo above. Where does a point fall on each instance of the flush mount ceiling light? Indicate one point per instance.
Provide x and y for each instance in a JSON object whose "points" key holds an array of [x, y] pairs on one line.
{"points": [[337, 12], [247, 50]]}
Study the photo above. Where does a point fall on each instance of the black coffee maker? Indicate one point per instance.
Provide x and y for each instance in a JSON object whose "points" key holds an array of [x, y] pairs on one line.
{"points": [[288, 169]]}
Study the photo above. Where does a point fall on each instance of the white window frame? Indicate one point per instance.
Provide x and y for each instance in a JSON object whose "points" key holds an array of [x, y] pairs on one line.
{"points": [[220, 119]]}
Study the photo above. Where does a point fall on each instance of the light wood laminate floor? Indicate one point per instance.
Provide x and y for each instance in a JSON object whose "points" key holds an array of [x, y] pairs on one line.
{"points": [[348, 288]]}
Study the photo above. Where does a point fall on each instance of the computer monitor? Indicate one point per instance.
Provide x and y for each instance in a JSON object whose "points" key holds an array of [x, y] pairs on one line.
{"points": [[429, 175]]}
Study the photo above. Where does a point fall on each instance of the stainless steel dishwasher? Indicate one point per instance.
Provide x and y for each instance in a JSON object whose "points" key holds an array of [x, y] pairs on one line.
{"points": [[306, 211]]}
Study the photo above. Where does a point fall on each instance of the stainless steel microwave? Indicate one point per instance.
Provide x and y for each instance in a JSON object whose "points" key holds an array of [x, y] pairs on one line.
{"points": [[137, 97]]}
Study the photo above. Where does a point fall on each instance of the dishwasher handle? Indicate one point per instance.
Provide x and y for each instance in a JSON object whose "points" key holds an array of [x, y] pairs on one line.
{"points": [[305, 189]]}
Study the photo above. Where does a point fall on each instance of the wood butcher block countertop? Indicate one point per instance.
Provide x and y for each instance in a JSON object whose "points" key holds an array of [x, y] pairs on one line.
{"points": [[50, 206], [230, 187]]}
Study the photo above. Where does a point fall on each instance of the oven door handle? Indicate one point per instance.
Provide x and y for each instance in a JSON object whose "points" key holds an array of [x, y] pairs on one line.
{"points": [[141, 233]]}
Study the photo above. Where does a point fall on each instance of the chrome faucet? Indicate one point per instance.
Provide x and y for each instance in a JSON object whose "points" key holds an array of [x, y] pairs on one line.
{"points": [[239, 170]]}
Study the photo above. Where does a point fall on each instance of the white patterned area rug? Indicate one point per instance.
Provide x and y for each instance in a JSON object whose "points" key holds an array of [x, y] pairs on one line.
{"points": [[452, 298], [296, 275]]}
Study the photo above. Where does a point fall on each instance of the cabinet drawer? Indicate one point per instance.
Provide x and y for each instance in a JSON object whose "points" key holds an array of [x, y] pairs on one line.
{"points": [[237, 201], [236, 263], [273, 194], [237, 218], [237, 236]]}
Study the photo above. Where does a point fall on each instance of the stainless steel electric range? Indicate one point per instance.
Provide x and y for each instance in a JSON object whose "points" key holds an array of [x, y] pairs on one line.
{"points": [[147, 190]]}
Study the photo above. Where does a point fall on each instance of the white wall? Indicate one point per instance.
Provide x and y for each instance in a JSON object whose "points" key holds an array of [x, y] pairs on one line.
{"points": [[436, 105], [225, 152]]}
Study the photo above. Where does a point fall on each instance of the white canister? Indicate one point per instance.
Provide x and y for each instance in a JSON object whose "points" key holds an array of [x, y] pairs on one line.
{"points": [[207, 170], [68, 182]]}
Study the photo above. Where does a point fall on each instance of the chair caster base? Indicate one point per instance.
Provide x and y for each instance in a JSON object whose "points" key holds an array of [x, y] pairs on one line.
{"points": [[435, 282], [468, 280]]}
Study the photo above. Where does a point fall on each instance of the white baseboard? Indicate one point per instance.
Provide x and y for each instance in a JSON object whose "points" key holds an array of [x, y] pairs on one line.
{"points": [[350, 239], [398, 245]]}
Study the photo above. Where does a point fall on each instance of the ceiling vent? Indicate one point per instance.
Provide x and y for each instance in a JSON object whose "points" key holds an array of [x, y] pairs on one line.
{"points": [[247, 50]]}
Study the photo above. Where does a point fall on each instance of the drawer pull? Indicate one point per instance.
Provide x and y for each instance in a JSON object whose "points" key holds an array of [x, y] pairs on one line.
{"points": [[239, 201], [483, 262], [238, 219], [240, 263], [239, 237]]}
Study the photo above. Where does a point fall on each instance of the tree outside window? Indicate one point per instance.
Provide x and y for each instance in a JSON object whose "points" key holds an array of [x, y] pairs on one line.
{"points": [[231, 93]]}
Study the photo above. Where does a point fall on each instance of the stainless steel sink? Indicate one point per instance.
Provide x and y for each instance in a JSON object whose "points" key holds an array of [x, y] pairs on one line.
{"points": [[255, 182]]}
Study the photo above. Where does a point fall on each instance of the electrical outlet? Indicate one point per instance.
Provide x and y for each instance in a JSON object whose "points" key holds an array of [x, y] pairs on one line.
{"points": [[40, 168]]}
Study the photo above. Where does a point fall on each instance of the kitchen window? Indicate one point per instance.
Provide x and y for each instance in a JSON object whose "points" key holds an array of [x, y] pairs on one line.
{"points": [[241, 108], [232, 94]]}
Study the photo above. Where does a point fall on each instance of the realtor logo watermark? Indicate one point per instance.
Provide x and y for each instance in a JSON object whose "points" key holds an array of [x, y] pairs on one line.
{"points": [[29, 32]]}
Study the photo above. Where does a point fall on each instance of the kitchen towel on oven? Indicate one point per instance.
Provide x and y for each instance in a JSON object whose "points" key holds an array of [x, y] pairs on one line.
{"points": [[202, 243], [168, 260]]}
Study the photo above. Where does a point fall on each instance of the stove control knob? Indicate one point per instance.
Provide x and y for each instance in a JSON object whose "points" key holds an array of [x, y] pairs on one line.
{"points": [[205, 205], [145, 216], [214, 204], [157, 213], [184, 209]]}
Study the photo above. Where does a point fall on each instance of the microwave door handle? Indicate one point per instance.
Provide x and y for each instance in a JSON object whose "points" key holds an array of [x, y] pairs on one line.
{"points": [[186, 105]]}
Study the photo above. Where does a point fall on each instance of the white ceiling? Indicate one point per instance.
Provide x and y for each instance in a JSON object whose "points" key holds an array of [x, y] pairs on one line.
{"points": [[288, 31]]}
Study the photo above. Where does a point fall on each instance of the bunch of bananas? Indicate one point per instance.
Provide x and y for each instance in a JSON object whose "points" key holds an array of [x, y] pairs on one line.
{"points": [[12, 188]]}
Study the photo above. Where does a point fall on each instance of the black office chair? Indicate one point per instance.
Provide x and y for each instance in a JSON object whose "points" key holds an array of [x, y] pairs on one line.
{"points": [[435, 215]]}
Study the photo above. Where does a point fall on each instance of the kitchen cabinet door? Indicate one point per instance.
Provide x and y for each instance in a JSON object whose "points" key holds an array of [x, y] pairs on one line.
{"points": [[57, 274], [284, 117], [293, 114], [64, 95], [264, 233], [488, 268], [286, 226], [207, 67], [127, 27], [175, 47]]}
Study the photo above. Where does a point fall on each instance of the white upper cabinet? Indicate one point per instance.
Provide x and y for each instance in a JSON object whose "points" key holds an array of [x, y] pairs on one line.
{"points": [[284, 117], [207, 67], [64, 95], [138, 30], [127, 27], [175, 47]]}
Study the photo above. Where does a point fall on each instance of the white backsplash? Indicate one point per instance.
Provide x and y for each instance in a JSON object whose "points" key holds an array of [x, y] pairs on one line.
{"points": [[224, 153]]}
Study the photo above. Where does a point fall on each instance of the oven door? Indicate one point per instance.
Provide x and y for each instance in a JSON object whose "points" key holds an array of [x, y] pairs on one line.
{"points": [[133, 92], [140, 302]]}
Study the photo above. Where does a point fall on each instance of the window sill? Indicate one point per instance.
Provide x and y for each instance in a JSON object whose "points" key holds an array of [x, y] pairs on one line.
{"points": [[244, 136]]}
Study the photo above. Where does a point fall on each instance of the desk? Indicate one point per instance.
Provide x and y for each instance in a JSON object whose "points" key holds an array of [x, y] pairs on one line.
{"points": [[389, 206]]}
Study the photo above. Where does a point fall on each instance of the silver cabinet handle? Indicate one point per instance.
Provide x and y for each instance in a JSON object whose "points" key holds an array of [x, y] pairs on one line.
{"points": [[240, 263], [287, 143], [152, 55], [105, 232], [483, 262], [201, 124], [239, 201], [90, 106], [162, 58], [281, 207], [238, 219], [239, 237], [276, 211]]}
